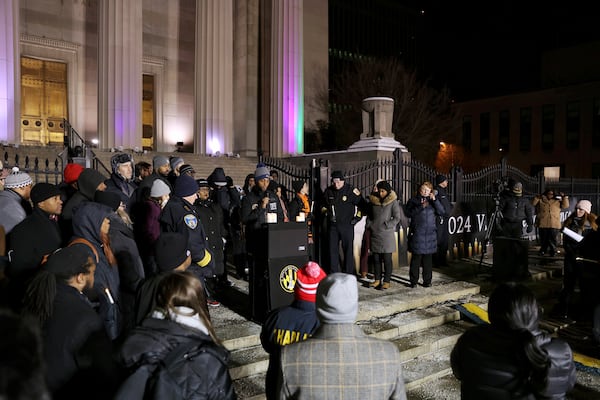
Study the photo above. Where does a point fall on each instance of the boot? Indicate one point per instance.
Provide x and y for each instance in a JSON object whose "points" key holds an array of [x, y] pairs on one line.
{"points": [[386, 285], [374, 284]]}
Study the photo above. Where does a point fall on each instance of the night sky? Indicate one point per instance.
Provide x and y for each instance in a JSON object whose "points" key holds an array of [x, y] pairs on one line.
{"points": [[481, 49]]}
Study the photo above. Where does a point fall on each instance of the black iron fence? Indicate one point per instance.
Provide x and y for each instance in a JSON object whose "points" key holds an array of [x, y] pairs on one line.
{"points": [[41, 170]]}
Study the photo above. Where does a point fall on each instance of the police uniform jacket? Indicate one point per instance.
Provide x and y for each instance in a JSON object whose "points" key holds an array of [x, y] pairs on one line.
{"points": [[182, 217], [442, 197], [342, 204], [211, 216]]}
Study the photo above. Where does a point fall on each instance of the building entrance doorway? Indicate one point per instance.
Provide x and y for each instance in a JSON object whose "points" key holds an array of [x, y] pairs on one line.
{"points": [[43, 101]]}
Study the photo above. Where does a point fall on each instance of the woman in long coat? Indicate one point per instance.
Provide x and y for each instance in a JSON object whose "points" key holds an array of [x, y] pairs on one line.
{"points": [[422, 236], [384, 216]]}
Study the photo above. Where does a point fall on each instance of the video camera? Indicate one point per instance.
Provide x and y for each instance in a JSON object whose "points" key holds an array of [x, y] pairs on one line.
{"points": [[498, 186]]}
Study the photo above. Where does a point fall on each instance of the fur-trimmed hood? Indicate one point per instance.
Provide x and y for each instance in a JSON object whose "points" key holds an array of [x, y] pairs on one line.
{"points": [[377, 201]]}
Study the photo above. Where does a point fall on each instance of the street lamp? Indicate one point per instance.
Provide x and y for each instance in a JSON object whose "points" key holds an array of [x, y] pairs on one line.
{"points": [[448, 147]]}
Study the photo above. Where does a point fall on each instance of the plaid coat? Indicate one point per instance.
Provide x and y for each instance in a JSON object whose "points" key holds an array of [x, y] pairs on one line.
{"points": [[340, 363]]}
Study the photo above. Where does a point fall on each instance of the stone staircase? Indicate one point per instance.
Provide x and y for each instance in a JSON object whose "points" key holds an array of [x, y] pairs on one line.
{"points": [[420, 321]]}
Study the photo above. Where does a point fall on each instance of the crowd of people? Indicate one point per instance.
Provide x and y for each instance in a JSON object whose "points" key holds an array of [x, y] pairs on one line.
{"points": [[130, 265]]}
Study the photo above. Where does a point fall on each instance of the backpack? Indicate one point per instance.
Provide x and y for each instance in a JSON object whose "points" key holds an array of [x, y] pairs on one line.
{"points": [[159, 381]]}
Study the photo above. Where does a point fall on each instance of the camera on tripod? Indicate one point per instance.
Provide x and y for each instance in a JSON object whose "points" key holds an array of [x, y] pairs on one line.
{"points": [[497, 187]]}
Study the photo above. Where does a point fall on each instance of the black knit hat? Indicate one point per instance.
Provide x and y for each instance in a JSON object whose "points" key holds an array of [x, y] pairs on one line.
{"points": [[186, 169], [385, 185], [111, 199], [69, 260], [202, 183], [171, 250], [297, 186], [440, 178], [42, 191], [185, 186]]}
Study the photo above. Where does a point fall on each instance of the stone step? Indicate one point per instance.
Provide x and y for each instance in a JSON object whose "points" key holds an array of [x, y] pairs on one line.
{"points": [[426, 368]]}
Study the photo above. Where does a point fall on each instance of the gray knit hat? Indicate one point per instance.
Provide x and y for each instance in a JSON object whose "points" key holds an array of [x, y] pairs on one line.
{"points": [[159, 188], [175, 161], [261, 172], [337, 299], [17, 179], [159, 161]]}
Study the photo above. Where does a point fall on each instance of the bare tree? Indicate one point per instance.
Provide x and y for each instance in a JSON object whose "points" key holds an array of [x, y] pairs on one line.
{"points": [[423, 116]]}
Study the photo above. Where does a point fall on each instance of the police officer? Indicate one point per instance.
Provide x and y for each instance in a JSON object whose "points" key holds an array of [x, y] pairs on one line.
{"points": [[180, 215], [343, 206]]}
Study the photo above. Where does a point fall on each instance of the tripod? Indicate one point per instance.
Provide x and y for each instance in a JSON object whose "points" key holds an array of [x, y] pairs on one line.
{"points": [[495, 219]]}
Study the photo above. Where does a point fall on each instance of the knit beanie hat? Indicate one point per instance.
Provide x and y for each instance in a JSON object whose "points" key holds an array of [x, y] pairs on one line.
{"points": [[171, 250], [17, 179], [297, 186], [111, 199], [307, 280], [185, 186], [175, 161], [69, 260], [385, 185], [42, 191], [585, 205], [337, 299], [72, 172], [159, 161], [261, 172], [186, 169], [517, 189], [440, 178], [159, 188]]}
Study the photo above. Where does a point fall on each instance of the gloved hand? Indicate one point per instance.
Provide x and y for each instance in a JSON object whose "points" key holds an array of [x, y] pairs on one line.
{"points": [[529, 228]]}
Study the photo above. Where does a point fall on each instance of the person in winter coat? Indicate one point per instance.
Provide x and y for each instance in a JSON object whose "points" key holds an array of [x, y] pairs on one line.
{"points": [[515, 209], [293, 323], [36, 236], [77, 352], [582, 221], [422, 239], [14, 199], [147, 227], [121, 179], [211, 215], [547, 211], [384, 217], [511, 358], [88, 182], [91, 222], [181, 317], [441, 186], [131, 270]]}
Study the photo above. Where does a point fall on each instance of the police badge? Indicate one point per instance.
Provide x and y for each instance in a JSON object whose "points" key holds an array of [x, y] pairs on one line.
{"points": [[191, 221]]}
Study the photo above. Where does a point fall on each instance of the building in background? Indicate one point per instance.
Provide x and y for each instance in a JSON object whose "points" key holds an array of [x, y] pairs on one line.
{"points": [[208, 75]]}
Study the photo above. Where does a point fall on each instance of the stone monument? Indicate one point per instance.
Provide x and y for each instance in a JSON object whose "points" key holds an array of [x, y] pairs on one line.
{"points": [[377, 116]]}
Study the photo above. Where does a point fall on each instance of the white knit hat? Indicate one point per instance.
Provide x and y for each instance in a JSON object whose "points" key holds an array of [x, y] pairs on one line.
{"points": [[17, 179], [585, 205]]}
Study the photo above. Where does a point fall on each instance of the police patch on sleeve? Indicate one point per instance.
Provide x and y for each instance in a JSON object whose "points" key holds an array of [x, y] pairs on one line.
{"points": [[191, 221]]}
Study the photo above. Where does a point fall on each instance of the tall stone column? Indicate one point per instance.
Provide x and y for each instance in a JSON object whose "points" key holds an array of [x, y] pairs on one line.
{"points": [[214, 76], [287, 78], [10, 62], [120, 74]]}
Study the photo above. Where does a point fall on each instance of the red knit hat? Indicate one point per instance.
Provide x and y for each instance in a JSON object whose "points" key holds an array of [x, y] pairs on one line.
{"points": [[307, 280], [72, 172]]}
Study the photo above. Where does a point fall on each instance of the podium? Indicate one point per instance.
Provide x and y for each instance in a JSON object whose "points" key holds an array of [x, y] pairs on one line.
{"points": [[273, 277], [511, 260]]}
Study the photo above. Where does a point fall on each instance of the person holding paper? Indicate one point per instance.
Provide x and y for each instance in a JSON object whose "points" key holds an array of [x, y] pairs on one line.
{"points": [[581, 222]]}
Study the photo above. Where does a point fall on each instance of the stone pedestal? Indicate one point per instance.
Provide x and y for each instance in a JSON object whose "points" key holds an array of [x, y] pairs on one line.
{"points": [[377, 135]]}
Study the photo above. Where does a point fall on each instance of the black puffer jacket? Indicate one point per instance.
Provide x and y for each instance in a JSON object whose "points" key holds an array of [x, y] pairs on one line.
{"points": [[486, 362], [155, 338]]}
